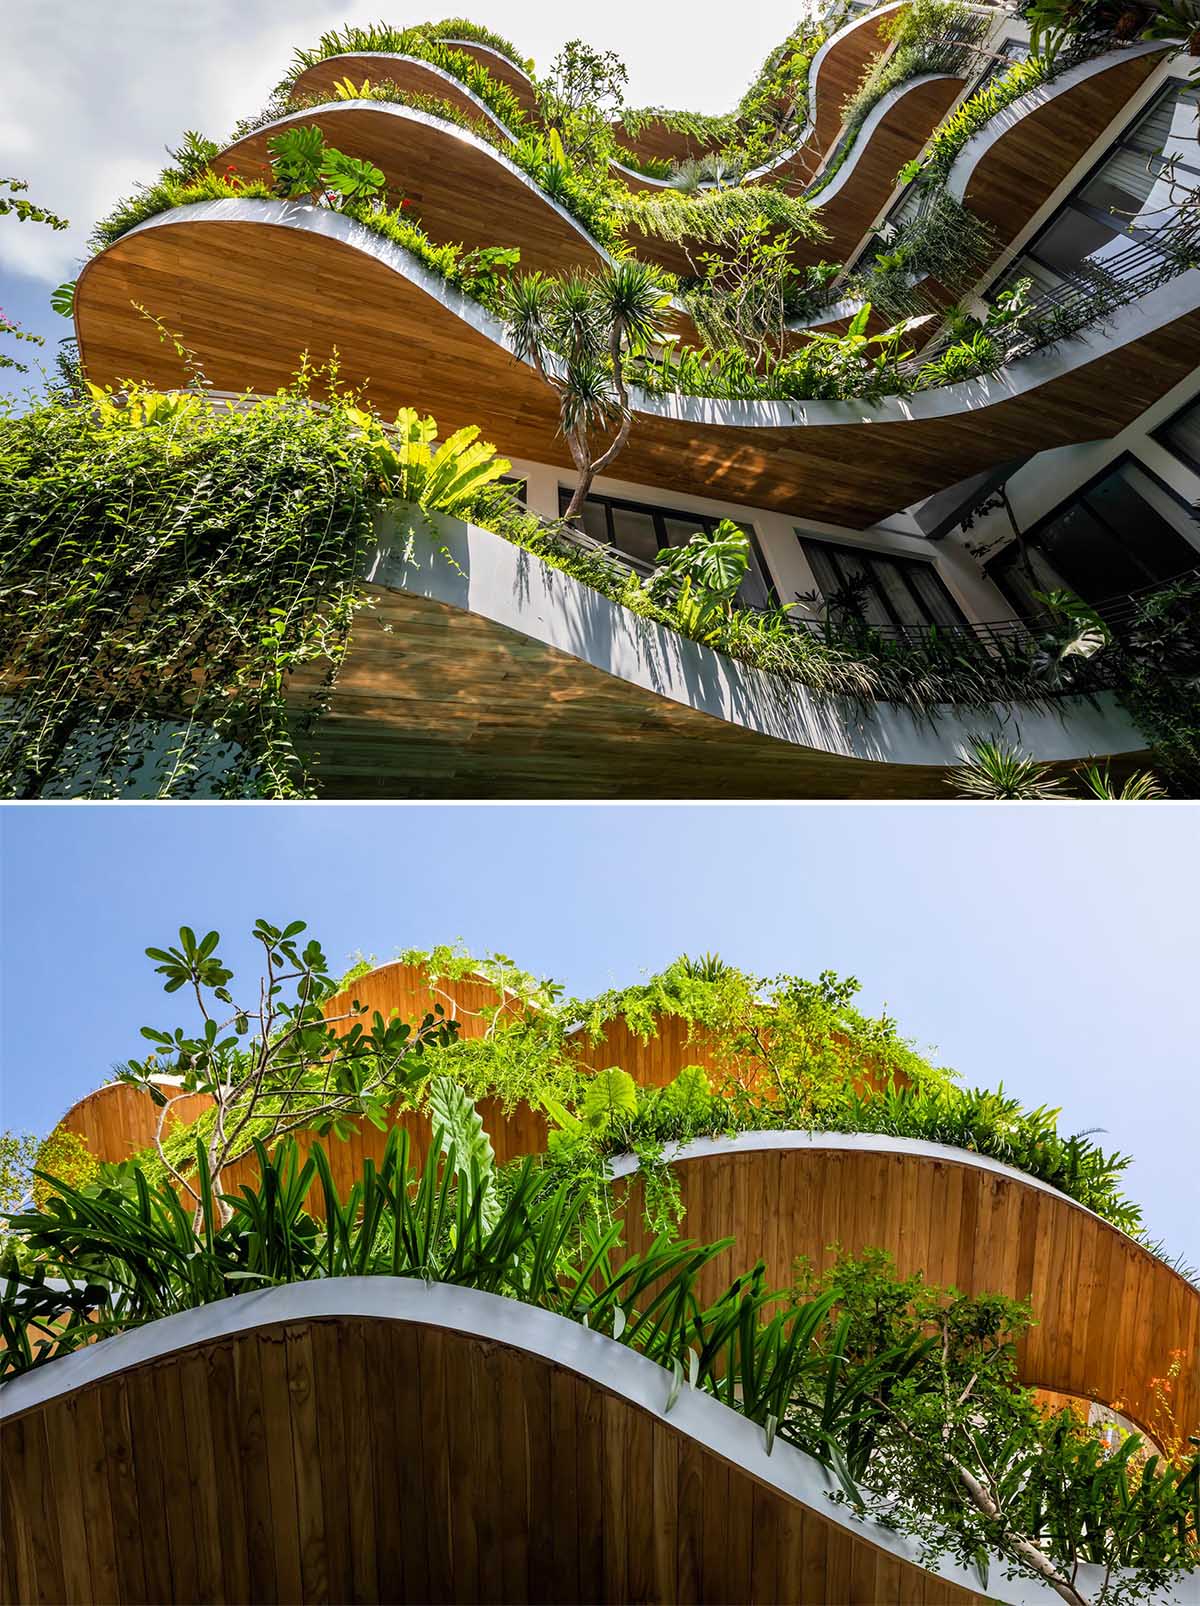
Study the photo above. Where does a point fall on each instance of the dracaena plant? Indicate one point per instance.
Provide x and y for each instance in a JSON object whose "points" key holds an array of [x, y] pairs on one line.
{"points": [[580, 333]]}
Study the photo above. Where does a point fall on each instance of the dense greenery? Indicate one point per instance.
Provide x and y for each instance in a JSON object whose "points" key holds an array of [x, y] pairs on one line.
{"points": [[144, 533], [906, 1392], [782, 1053], [147, 534]]}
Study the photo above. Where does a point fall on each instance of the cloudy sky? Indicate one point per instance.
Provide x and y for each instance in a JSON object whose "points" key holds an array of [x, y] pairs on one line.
{"points": [[93, 92]]}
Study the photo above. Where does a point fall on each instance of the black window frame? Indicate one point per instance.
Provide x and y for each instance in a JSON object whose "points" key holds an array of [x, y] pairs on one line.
{"points": [[1080, 494], [1129, 229], [707, 522], [903, 561], [1177, 452]]}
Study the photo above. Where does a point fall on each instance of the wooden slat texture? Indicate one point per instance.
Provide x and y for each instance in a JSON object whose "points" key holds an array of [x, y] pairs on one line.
{"points": [[898, 137], [408, 73], [500, 68], [119, 1120], [460, 193], [1030, 160], [433, 701], [491, 1474], [1109, 1316], [250, 298], [1102, 1339]]}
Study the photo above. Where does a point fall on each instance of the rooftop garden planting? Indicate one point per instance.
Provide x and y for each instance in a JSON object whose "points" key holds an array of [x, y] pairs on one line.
{"points": [[906, 1391], [782, 1054]]}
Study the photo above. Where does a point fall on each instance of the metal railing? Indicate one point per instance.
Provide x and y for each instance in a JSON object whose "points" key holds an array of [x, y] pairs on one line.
{"points": [[1089, 293], [991, 637]]}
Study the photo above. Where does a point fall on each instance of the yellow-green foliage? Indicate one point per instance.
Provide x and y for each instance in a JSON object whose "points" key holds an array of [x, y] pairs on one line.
{"points": [[65, 1156]]}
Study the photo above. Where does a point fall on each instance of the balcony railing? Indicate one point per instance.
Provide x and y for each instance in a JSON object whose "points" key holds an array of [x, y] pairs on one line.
{"points": [[987, 642]]}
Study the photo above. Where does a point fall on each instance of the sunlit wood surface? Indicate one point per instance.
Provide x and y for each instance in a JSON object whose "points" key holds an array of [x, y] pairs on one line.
{"points": [[249, 298], [1108, 1315], [357, 1459]]}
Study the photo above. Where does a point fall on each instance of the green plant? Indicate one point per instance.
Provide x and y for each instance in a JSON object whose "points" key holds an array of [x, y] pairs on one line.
{"points": [[580, 333], [704, 575], [578, 98], [282, 1066], [66, 1155], [924, 1427], [17, 204], [994, 770]]}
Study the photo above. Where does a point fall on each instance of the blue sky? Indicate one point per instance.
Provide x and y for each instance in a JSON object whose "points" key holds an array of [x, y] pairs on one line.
{"points": [[1049, 947]]}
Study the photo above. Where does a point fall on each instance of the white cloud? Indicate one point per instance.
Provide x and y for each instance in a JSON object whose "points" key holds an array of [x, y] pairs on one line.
{"points": [[94, 92]]}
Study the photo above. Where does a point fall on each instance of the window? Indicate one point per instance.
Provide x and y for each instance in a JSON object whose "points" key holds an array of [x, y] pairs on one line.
{"points": [[1134, 191], [884, 590], [1010, 52], [1181, 434], [1120, 534], [641, 530]]}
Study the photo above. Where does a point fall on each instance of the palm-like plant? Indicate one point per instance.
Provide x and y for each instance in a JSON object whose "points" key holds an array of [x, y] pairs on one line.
{"points": [[1140, 787], [580, 333], [996, 770]]}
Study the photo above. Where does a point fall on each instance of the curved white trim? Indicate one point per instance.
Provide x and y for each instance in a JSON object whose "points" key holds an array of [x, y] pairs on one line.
{"points": [[489, 50], [814, 73], [1172, 300], [476, 571], [777, 1141], [484, 110], [963, 167], [451, 130], [494, 1318], [866, 132]]}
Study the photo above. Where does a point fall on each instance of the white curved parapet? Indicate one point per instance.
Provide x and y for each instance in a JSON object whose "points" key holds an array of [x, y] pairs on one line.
{"points": [[775, 1141], [962, 169], [477, 571], [493, 1318]]}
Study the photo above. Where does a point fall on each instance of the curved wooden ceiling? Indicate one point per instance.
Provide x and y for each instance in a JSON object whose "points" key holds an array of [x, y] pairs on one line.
{"points": [[414, 714], [856, 196], [249, 285], [409, 74], [1025, 164], [462, 190], [415, 1454], [504, 71]]}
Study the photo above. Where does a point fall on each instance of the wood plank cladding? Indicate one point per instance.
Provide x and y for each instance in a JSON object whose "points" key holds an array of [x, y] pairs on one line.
{"points": [[503, 70], [1019, 173], [899, 136], [461, 193], [351, 1459], [119, 1120], [408, 73], [1108, 1315], [249, 298], [415, 714]]}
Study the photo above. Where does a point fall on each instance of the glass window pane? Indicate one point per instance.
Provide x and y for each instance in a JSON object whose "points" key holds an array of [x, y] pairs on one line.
{"points": [[634, 532], [680, 529], [1072, 237], [1152, 549], [595, 519], [892, 589], [938, 605], [1181, 435]]}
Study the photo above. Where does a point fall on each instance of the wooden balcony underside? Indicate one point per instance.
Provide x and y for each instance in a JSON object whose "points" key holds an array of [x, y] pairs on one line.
{"points": [[250, 285]]}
